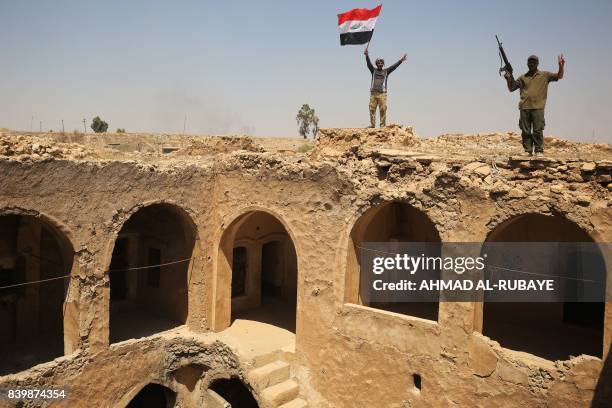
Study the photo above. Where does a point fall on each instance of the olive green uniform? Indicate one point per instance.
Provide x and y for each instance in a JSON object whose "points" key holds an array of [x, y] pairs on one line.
{"points": [[534, 90]]}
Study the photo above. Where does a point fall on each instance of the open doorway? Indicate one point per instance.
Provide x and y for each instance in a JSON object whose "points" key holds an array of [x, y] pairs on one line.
{"points": [[149, 272], [32, 315], [552, 330], [390, 222], [260, 256]]}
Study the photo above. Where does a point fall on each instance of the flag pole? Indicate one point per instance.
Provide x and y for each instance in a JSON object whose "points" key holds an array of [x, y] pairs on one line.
{"points": [[368, 45]]}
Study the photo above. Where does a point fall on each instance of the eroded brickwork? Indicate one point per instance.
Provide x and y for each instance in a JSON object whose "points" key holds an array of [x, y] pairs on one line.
{"points": [[346, 354]]}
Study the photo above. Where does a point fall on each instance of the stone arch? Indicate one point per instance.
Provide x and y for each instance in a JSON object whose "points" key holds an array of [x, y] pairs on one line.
{"points": [[554, 331], [144, 298], [391, 221], [149, 395], [39, 321], [231, 391], [269, 258]]}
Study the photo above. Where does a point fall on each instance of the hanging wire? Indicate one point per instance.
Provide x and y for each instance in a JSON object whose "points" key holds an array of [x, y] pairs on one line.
{"points": [[110, 270], [34, 282]]}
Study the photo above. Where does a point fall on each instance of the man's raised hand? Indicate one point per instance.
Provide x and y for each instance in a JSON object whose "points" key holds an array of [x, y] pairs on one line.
{"points": [[365, 52], [404, 57], [561, 60]]}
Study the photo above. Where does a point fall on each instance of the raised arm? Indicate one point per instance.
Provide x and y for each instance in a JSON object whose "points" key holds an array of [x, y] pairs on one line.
{"points": [[512, 83], [370, 66], [397, 64], [559, 74]]}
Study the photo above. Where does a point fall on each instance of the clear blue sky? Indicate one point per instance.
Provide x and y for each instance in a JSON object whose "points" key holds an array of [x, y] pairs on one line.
{"points": [[248, 66]]}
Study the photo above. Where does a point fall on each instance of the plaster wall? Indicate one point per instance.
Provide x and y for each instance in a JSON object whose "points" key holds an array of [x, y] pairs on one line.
{"points": [[347, 354]]}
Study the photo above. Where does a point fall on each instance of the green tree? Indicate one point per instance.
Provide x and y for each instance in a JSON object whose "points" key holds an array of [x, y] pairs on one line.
{"points": [[120, 130], [308, 121], [98, 125]]}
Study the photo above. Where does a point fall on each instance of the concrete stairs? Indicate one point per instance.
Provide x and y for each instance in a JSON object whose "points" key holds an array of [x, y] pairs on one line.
{"points": [[272, 378]]}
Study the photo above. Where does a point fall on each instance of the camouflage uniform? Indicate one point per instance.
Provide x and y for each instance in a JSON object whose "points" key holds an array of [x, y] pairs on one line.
{"points": [[378, 99]]}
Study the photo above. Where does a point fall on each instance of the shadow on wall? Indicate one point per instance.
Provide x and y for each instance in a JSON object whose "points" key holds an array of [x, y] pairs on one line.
{"points": [[603, 390]]}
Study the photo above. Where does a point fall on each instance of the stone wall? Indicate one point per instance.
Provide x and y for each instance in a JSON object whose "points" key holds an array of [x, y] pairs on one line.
{"points": [[347, 354]]}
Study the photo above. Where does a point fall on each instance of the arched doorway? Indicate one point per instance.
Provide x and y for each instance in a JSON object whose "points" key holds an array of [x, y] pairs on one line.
{"points": [[149, 272], [257, 257], [32, 316], [390, 222], [153, 396], [552, 330], [233, 392]]}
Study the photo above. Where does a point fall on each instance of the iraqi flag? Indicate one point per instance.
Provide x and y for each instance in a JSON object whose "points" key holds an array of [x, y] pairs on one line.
{"points": [[356, 26]]}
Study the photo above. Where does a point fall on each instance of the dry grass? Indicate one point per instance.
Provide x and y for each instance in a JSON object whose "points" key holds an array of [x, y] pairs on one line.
{"points": [[305, 148]]}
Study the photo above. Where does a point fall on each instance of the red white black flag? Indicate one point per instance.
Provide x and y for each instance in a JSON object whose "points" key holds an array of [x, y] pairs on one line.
{"points": [[356, 26]]}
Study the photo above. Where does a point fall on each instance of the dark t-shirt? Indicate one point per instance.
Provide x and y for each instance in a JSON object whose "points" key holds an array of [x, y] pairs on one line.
{"points": [[380, 76]]}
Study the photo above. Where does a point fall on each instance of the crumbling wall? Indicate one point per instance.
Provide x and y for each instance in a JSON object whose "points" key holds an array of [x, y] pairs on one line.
{"points": [[347, 354], [114, 376], [335, 142]]}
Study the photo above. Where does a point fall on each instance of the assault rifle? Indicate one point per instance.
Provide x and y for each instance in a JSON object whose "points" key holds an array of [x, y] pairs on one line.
{"points": [[504, 63]]}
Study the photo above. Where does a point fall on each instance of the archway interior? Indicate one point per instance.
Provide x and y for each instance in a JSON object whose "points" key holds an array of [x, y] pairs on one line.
{"points": [[391, 222], [234, 392], [264, 270], [153, 396], [146, 298], [31, 316], [552, 330]]}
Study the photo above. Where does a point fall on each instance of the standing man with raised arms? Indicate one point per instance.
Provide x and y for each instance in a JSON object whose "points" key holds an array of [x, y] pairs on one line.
{"points": [[534, 89], [378, 87]]}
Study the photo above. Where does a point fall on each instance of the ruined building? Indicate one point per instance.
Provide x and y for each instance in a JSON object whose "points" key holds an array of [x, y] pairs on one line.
{"points": [[197, 272]]}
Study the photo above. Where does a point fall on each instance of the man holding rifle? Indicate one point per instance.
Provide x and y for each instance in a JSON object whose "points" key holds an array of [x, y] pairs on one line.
{"points": [[534, 88]]}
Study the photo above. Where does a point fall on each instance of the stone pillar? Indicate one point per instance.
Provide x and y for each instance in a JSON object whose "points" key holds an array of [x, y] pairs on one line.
{"points": [[460, 314], [198, 314], [352, 278], [222, 286], [72, 338], [95, 318]]}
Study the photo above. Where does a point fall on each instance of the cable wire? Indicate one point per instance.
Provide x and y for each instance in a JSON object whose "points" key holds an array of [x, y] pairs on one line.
{"points": [[110, 270]]}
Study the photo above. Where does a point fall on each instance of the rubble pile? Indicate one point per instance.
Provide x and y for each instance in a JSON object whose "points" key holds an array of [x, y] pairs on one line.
{"points": [[509, 143], [491, 161], [334, 142], [207, 145], [21, 146]]}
